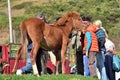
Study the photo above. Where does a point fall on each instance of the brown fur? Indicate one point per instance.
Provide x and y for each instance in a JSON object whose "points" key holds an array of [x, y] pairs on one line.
{"points": [[43, 35]]}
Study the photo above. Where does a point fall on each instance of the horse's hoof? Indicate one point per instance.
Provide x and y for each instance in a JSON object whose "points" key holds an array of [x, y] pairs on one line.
{"points": [[57, 73], [13, 72], [37, 75], [63, 72]]}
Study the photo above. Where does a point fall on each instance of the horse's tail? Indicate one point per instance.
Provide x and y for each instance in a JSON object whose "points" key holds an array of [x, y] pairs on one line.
{"points": [[24, 40]]}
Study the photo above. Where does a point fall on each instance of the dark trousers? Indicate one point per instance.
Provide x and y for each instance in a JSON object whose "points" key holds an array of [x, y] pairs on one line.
{"points": [[101, 42], [108, 64], [41, 60], [79, 61], [38, 61]]}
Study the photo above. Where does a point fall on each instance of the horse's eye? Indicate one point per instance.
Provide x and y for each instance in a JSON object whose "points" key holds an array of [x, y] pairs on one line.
{"points": [[66, 21]]}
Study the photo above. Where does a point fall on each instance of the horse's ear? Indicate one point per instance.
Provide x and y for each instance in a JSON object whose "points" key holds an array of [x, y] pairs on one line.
{"points": [[75, 14], [63, 19]]}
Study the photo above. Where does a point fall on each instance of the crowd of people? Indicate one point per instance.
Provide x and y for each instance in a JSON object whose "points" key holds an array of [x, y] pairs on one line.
{"points": [[99, 50], [94, 51]]}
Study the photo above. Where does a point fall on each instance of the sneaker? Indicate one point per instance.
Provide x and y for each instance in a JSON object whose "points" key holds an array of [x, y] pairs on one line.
{"points": [[19, 72]]}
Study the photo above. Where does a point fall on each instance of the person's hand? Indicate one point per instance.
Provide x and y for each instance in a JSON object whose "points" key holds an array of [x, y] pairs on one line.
{"points": [[86, 54], [113, 51]]}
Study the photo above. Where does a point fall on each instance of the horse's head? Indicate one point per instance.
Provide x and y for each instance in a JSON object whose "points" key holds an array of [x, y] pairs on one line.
{"points": [[76, 20], [72, 17]]}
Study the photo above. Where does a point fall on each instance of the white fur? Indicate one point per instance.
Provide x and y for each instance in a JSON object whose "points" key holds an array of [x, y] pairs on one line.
{"points": [[35, 71]]}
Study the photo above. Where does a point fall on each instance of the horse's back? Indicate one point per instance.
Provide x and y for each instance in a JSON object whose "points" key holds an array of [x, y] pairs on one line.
{"points": [[33, 21], [34, 27]]}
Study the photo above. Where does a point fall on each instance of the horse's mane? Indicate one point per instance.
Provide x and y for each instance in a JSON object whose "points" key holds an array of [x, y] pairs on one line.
{"points": [[66, 17]]}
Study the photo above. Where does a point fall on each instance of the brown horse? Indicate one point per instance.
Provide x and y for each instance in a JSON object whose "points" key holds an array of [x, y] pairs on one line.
{"points": [[43, 35]]}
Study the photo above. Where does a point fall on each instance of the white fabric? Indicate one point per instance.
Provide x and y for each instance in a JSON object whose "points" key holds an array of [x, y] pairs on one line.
{"points": [[117, 75], [52, 57], [98, 73], [109, 45], [19, 72], [78, 39]]}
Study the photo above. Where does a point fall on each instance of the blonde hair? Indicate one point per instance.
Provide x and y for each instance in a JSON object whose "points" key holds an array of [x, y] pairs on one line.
{"points": [[98, 23]]}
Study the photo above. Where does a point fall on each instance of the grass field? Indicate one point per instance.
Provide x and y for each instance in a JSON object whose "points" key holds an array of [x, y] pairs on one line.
{"points": [[45, 77]]}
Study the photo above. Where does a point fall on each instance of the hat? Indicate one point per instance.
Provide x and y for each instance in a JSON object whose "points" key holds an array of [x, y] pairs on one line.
{"points": [[85, 23], [41, 16]]}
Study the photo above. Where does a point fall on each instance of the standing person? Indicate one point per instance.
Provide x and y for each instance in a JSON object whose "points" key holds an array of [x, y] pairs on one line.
{"points": [[85, 58], [110, 51], [78, 49], [90, 46], [78, 56], [86, 21], [101, 35]]}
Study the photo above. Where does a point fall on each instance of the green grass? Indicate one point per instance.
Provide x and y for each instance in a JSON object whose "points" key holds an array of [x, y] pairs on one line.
{"points": [[45, 77]]}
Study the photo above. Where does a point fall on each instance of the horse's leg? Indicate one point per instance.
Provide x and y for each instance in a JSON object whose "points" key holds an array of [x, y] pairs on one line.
{"points": [[57, 66], [17, 57], [58, 58], [34, 51], [63, 54]]}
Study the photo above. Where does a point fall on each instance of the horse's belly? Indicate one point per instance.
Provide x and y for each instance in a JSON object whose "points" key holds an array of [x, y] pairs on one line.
{"points": [[49, 45], [45, 46]]}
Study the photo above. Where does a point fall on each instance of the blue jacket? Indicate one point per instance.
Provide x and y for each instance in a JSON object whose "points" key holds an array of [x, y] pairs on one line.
{"points": [[100, 33]]}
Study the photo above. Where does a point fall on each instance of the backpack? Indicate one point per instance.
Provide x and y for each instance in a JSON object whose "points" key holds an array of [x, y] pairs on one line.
{"points": [[100, 34]]}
